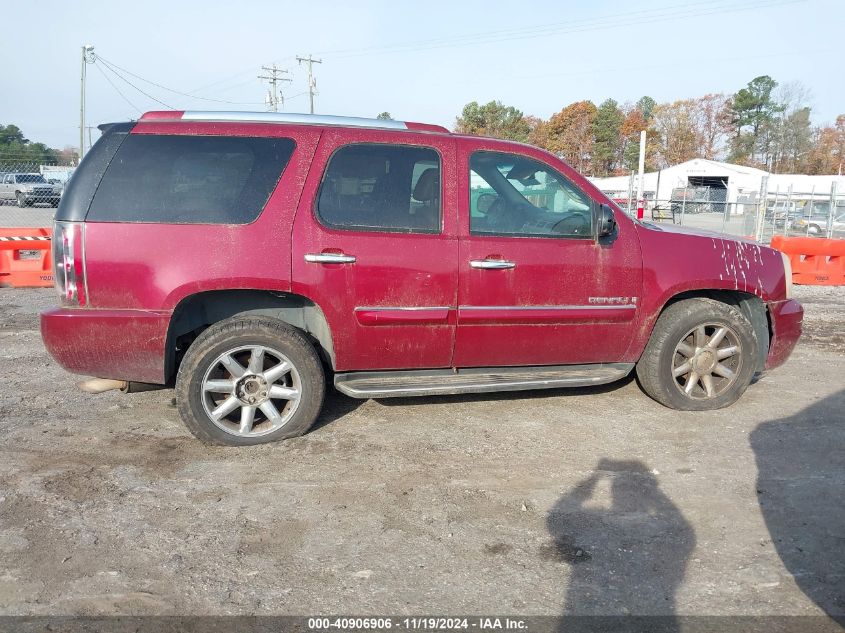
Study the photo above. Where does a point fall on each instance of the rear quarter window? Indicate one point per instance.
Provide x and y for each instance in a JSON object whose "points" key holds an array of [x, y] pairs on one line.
{"points": [[190, 179]]}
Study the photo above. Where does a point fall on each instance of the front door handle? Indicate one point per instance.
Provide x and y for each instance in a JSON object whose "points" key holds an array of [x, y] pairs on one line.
{"points": [[492, 264], [329, 258]]}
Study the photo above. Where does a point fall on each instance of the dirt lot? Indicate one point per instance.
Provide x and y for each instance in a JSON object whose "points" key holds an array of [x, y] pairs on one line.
{"points": [[594, 501]]}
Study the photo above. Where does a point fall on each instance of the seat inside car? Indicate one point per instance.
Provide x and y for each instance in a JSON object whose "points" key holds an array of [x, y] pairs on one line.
{"points": [[427, 191]]}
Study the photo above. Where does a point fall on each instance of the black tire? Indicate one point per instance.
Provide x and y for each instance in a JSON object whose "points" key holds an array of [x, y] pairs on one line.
{"points": [[21, 200], [676, 327], [233, 334]]}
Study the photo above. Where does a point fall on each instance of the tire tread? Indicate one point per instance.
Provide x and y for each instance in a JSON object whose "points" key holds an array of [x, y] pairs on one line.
{"points": [[237, 327], [688, 312]]}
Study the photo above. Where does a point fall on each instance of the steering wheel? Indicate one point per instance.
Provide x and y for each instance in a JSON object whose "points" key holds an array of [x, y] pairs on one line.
{"points": [[575, 224]]}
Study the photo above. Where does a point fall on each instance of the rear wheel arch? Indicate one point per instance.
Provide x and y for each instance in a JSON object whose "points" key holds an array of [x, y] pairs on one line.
{"points": [[196, 313]]}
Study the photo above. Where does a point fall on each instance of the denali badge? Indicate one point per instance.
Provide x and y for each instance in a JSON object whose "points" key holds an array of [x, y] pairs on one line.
{"points": [[615, 301]]}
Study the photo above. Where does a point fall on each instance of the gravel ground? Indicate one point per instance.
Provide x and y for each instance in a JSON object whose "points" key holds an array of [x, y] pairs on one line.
{"points": [[586, 501], [11, 215]]}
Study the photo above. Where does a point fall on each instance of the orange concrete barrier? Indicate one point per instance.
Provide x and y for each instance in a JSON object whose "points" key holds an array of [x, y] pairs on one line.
{"points": [[19, 271], [814, 261]]}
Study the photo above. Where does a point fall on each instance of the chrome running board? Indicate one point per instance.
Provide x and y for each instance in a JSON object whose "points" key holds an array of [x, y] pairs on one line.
{"points": [[402, 383]]}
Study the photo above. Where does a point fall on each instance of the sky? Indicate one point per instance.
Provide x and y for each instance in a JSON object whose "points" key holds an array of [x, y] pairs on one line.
{"points": [[420, 61]]}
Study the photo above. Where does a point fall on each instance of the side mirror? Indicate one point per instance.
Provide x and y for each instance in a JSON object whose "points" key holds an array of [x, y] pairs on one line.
{"points": [[607, 221]]}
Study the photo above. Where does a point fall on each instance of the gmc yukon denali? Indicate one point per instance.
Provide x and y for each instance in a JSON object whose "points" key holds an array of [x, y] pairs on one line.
{"points": [[243, 257]]}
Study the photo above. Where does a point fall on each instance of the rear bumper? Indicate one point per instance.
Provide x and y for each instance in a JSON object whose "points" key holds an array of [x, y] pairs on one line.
{"points": [[786, 317], [117, 344]]}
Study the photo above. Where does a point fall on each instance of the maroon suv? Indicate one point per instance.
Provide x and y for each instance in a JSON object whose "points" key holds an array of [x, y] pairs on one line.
{"points": [[242, 257]]}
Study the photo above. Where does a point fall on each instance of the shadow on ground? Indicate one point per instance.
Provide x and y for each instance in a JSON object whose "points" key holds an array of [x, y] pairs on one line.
{"points": [[801, 491], [626, 542], [335, 406]]}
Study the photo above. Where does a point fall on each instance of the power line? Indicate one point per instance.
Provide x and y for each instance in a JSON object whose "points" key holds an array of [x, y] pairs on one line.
{"points": [[246, 71], [664, 14], [124, 79], [114, 66], [237, 85], [592, 24], [125, 98], [679, 64]]}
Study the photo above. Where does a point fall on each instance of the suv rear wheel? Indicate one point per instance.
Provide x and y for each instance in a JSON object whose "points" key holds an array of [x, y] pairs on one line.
{"points": [[701, 355], [249, 380]]}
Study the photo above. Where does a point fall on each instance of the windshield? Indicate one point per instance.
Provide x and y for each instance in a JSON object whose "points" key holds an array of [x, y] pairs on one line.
{"points": [[29, 178]]}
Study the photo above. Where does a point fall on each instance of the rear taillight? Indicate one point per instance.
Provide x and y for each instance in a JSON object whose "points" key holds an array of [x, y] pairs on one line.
{"points": [[69, 262]]}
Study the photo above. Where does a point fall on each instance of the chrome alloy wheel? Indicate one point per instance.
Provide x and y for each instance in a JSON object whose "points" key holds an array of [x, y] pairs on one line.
{"points": [[251, 390], [707, 361]]}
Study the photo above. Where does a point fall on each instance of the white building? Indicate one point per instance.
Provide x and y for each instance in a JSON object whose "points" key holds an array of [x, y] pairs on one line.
{"points": [[727, 182]]}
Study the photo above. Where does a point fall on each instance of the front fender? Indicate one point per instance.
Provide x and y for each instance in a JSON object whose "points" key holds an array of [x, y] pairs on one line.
{"points": [[677, 262]]}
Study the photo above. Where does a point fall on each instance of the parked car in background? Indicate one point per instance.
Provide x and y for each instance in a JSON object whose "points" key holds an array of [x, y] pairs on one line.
{"points": [[29, 189], [817, 225], [240, 257], [815, 220], [781, 214]]}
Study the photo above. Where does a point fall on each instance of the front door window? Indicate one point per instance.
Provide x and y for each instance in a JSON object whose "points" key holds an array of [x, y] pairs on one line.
{"points": [[519, 196]]}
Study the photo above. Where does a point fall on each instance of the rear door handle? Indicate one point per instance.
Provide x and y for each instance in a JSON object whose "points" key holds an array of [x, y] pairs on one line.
{"points": [[329, 258], [492, 264]]}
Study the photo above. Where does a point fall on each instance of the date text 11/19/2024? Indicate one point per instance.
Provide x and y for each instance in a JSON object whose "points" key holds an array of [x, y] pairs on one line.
{"points": [[432, 623]]}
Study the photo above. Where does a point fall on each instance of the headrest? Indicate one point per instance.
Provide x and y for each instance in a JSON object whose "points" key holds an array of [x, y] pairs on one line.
{"points": [[428, 185]]}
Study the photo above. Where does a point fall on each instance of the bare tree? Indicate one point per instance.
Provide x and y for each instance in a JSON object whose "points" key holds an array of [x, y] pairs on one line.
{"points": [[676, 133], [713, 123]]}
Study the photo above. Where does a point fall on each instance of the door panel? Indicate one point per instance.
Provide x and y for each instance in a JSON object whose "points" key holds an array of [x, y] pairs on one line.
{"points": [[393, 307], [563, 300]]}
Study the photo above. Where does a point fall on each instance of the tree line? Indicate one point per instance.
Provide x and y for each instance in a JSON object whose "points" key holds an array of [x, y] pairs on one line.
{"points": [[764, 125], [16, 148]]}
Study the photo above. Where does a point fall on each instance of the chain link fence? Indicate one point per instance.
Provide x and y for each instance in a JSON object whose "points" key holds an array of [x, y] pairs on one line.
{"points": [[30, 192], [757, 215]]}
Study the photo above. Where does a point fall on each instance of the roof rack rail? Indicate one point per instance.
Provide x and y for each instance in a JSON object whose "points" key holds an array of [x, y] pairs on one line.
{"points": [[289, 118]]}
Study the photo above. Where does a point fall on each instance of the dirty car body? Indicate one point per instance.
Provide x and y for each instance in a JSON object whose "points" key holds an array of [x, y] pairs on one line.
{"points": [[406, 260]]}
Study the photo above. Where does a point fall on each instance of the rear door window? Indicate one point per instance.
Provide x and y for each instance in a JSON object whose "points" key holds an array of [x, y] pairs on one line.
{"points": [[190, 179], [373, 187]]}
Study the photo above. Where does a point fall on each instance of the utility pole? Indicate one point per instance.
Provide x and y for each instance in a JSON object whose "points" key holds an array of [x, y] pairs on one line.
{"points": [[312, 83], [87, 58], [641, 186], [274, 77]]}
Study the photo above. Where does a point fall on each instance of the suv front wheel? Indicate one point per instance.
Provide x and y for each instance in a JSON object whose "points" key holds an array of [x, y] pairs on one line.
{"points": [[702, 355], [249, 380]]}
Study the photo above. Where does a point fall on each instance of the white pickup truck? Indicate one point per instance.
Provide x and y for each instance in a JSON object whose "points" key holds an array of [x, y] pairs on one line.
{"points": [[27, 189]]}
